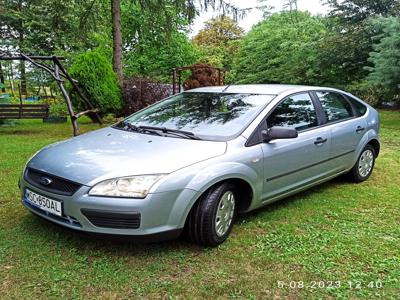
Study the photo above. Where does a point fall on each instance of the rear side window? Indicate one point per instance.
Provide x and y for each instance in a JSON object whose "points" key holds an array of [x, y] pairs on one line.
{"points": [[360, 108], [296, 111], [336, 107]]}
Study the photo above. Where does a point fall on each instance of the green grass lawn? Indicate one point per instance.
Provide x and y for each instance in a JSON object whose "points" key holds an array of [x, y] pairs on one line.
{"points": [[335, 234]]}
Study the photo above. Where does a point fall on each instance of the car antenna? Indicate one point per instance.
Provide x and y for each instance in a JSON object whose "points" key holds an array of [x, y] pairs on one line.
{"points": [[227, 87]]}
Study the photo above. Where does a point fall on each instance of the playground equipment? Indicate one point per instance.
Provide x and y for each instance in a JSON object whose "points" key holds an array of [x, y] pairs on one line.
{"points": [[60, 75]]}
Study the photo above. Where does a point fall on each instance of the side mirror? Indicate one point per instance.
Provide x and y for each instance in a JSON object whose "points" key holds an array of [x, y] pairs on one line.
{"points": [[276, 133]]}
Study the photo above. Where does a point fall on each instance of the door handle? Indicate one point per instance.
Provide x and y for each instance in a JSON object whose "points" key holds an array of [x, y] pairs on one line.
{"points": [[360, 129], [320, 141]]}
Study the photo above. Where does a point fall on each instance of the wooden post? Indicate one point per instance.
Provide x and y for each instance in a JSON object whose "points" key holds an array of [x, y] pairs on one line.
{"points": [[179, 82], [60, 83], [20, 102], [11, 78], [3, 89], [173, 81]]}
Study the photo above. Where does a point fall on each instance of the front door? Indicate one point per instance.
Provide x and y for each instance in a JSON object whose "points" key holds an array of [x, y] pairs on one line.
{"points": [[292, 163]]}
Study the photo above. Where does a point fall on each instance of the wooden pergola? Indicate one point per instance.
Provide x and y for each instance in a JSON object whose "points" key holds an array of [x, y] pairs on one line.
{"points": [[60, 75]]}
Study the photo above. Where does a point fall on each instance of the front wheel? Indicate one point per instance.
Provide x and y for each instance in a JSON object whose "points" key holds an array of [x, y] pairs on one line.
{"points": [[211, 218], [364, 165]]}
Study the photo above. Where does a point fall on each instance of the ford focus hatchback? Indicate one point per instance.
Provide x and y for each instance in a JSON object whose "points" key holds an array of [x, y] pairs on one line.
{"points": [[193, 161]]}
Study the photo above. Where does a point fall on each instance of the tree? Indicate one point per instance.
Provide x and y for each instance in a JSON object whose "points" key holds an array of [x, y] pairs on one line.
{"points": [[117, 40], [160, 10], [281, 49], [48, 27], [385, 58], [149, 49], [355, 12], [345, 50], [154, 60], [218, 31], [13, 30], [219, 41]]}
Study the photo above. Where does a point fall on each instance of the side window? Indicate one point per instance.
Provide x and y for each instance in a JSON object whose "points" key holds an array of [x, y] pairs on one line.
{"points": [[336, 107], [296, 111], [360, 108]]}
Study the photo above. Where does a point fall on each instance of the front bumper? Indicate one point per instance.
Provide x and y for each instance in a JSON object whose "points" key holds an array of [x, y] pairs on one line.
{"points": [[158, 213]]}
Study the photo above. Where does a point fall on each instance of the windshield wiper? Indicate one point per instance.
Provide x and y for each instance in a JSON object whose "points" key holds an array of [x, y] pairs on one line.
{"points": [[156, 130], [130, 127], [127, 125], [181, 133]]}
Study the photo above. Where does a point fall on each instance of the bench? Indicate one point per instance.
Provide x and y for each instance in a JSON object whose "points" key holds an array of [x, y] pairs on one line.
{"points": [[24, 111]]}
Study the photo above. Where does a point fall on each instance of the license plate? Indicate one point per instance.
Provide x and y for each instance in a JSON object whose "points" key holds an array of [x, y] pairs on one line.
{"points": [[44, 203]]}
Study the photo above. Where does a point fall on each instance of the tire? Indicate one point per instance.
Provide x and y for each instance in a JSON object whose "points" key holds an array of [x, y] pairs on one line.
{"points": [[202, 226], [364, 165]]}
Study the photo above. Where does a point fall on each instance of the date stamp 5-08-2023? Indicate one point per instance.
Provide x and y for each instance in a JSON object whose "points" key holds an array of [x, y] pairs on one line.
{"points": [[321, 284]]}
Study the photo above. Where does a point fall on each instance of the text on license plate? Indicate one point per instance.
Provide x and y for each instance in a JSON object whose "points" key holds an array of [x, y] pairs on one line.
{"points": [[44, 203]]}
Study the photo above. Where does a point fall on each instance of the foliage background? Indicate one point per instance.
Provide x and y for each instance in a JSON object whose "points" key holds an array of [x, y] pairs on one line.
{"points": [[354, 47], [281, 49]]}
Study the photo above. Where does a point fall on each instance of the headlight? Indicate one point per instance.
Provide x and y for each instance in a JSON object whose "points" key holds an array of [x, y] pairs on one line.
{"points": [[129, 187]]}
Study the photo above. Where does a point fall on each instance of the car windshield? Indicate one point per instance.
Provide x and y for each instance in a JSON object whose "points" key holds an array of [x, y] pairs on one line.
{"points": [[210, 116]]}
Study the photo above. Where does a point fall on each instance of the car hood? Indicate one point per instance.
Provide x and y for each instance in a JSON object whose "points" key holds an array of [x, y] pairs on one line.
{"points": [[110, 153]]}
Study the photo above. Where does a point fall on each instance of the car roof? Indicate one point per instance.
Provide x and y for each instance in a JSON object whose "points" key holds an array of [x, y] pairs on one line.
{"points": [[267, 89]]}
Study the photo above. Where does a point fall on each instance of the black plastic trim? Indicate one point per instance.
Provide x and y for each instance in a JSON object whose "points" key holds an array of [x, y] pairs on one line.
{"points": [[318, 107], [112, 219]]}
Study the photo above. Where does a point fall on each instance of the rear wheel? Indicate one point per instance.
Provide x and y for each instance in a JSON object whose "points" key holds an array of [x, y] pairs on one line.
{"points": [[364, 165], [211, 218]]}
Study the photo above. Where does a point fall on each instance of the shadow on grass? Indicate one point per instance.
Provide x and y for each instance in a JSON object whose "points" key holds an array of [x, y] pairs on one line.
{"points": [[22, 132], [113, 246], [279, 204], [65, 238]]}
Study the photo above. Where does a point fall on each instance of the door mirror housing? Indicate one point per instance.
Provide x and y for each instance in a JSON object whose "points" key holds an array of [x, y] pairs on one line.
{"points": [[277, 133]]}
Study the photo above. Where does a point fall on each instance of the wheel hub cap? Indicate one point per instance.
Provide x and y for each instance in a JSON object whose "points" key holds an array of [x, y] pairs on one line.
{"points": [[365, 163], [225, 212]]}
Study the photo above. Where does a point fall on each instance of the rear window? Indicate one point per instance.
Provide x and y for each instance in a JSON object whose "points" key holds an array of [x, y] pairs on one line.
{"points": [[335, 106], [360, 108]]}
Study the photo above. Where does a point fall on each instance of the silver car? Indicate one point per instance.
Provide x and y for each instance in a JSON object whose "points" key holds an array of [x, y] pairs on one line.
{"points": [[193, 161]]}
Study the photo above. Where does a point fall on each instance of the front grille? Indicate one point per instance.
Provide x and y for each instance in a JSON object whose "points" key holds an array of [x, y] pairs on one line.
{"points": [[57, 185], [107, 219]]}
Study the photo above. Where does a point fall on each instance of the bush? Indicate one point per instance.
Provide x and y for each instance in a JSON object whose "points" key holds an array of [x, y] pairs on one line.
{"points": [[98, 81], [58, 109], [141, 92], [202, 75], [371, 94]]}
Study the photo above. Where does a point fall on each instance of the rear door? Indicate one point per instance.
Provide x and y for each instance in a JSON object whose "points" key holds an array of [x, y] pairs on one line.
{"points": [[292, 163], [346, 128]]}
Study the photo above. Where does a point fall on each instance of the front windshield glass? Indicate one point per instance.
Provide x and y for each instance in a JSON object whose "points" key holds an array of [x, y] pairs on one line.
{"points": [[213, 116]]}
